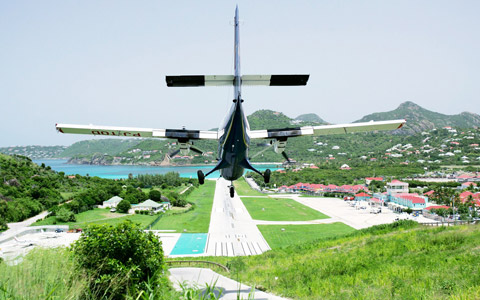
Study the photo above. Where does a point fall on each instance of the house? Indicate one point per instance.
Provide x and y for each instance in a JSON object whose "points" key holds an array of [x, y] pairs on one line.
{"points": [[345, 167], [151, 205], [468, 184], [112, 202], [370, 179], [362, 197], [396, 187], [401, 201]]}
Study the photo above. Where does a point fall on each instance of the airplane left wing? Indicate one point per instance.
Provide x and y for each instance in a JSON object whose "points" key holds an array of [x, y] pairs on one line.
{"points": [[137, 132], [326, 129]]}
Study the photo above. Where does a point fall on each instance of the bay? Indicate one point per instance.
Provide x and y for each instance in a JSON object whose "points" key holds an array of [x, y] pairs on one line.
{"points": [[118, 172]]}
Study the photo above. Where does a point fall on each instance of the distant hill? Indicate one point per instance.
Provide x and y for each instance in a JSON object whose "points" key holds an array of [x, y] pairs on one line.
{"points": [[268, 119], [103, 146], [420, 119], [34, 152], [312, 118]]}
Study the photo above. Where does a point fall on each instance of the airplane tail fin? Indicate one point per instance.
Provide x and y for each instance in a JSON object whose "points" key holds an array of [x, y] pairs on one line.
{"points": [[228, 80]]}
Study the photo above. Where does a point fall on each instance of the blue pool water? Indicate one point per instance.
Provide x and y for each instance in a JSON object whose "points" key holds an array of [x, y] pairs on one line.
{"points": [[190, 243]]}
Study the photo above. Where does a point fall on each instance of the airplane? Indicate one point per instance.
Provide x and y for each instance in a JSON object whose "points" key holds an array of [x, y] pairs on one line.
{"points": [[234, 135]]}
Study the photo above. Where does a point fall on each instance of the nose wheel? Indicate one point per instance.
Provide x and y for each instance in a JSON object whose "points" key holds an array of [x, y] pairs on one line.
{"points": [[232, 191], [266, 176]]}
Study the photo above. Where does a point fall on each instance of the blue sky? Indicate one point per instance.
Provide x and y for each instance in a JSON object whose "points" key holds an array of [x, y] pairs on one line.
{"points": [[104, 62]]}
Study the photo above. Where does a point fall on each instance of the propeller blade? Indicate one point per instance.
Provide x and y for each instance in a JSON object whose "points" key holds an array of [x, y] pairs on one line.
{"points": [[174, 153], [286, 156], [196, 150]]}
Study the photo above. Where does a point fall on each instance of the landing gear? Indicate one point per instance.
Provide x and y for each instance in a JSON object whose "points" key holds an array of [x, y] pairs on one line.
{"points": [[232, 191], [201, 177], [266, 176]]}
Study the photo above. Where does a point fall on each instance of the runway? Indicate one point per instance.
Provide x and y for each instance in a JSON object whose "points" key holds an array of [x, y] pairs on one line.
{"points": [[232, 231]]}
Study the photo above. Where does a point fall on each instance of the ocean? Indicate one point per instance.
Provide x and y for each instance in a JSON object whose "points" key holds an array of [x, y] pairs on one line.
{"points": [[117, 172]]}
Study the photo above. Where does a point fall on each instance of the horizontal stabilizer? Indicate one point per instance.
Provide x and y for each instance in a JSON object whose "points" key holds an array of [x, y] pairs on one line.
{"points": [[275, 80], [199, 80], [228, 80]]}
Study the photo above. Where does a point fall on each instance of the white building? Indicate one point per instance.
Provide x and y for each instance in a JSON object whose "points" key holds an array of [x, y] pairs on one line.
{"points": [[112, 202]]}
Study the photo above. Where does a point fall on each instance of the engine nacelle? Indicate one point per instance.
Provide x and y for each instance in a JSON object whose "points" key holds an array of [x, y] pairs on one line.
{"points": [[279, 146], [184, 148]]}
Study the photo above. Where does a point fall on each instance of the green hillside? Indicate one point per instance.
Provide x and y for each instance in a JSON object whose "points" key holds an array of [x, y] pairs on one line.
{"points": [[103, 146], [26, 188], [268, 119], [397, 261], [420, 119]]}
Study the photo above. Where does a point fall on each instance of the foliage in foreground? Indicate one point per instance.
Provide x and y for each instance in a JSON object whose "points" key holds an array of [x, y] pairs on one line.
{"points": [[395, 261], [119, 258], [43, 274]]}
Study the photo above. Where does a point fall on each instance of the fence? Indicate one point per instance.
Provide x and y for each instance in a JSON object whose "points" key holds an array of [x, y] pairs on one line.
{"points": [[451, 223], [197, 262]]}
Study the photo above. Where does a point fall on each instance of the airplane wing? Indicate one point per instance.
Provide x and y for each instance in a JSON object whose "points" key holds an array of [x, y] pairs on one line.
{"points": [[137, 132], [326, 129]]}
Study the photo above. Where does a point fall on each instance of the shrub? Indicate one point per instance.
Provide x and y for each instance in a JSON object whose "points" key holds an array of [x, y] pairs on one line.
{"points": [[123, 206], [65, 215], [118, 258]]}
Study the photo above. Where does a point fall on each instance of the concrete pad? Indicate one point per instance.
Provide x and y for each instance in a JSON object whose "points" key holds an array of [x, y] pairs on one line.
{"points": [[227, 288]]}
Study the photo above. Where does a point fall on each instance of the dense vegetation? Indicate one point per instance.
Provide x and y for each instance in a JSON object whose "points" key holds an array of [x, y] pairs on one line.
{"points": [[26, 188], [330, 173], [103, 146], [402, 260]]}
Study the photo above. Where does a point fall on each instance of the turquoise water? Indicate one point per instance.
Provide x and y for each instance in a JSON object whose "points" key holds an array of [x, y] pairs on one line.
{"points": [[190, 243], [117, 172]]}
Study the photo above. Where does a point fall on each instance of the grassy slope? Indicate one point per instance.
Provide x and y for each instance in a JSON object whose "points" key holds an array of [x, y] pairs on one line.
{"points": [[99, 216], [43, 274], [280, 209], [300, 234], [243, 189], [409, 263], [196, 220]]}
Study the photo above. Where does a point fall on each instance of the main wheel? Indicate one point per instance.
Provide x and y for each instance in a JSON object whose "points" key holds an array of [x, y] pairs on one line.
{"points": [[266, 176], [232, 191], [201, 177]]}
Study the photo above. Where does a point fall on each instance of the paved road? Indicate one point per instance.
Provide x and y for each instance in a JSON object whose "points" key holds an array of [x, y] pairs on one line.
{"points": [[232, 231], [230, 289], [16, 228]]}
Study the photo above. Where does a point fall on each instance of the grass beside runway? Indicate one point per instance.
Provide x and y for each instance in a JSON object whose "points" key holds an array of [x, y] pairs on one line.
{"points": [[98, 216], [299, 234], [280, 209], [196, 220], [243, 188]]}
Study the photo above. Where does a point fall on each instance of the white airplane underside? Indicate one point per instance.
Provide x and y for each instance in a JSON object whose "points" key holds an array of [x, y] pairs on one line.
{"points": [[233, 136]]}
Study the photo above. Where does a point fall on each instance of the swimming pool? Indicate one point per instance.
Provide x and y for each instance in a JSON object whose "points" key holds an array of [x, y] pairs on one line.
{"points": [[190, 243]]}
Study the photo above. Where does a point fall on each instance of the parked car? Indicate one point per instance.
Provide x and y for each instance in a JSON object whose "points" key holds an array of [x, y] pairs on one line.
{"points": [[113, 210], [58, 230]]}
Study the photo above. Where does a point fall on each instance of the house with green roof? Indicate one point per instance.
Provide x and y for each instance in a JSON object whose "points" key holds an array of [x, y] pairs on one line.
{"points": [[112, 202]]}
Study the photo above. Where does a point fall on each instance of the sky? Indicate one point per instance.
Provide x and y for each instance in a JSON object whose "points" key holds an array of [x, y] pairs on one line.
{"points": [[105, 62]]}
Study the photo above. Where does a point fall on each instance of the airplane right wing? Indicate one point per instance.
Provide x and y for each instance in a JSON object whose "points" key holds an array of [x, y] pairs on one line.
{"points": [[137, 132], [326, 129]]}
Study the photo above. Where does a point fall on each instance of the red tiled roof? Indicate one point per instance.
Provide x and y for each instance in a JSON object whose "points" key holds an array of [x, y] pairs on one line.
{"points": [[437, 207], [429, 193], [362, 195]]}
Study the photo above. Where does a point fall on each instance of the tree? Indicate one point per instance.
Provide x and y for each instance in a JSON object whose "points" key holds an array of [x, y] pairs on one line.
{"points": [[155, 195], [65, 215], [118, 258], [123, 206]]}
